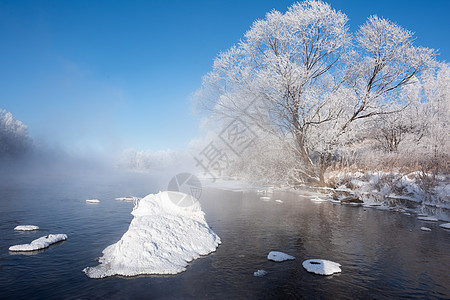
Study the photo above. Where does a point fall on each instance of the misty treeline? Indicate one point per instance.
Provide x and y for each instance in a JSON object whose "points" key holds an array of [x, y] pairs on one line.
{"points": [[14, 138], [320, 97]]}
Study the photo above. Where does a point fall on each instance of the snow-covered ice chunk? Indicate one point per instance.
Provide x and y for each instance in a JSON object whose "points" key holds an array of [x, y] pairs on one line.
{"points": [[445, 225], [265, 198], [260, 273], [321, 266], [128, 198], [279, 201], [26, 227], [425, 229], [40, 243], [279, 256], [161, 239], [92, 201], [430, 219]]}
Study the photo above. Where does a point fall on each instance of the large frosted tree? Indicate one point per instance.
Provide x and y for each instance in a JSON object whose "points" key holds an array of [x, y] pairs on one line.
{"points": [[297, 76]]}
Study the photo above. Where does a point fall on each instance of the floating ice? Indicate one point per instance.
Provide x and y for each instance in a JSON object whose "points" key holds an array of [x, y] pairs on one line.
{"points": [[92, 201], [128, 198], [317, 199], [425, 229], [260, 273], [430, 219], [321, 266], [26, 227], [162, 238], [279, 256], [265, 198], [40, 243], [445, 225], [279, 201]]}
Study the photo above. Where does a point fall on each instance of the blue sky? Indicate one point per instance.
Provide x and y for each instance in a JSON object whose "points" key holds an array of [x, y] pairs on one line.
{"points": [[109, 75]]}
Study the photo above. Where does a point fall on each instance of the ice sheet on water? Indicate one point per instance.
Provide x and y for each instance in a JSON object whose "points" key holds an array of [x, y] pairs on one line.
{"points": [[430, 219], [445, 225], [321, 266], [40, 243], [279, 256], [425, 229], [161, 239], [26, 228], [260, 273], [92, 201]]}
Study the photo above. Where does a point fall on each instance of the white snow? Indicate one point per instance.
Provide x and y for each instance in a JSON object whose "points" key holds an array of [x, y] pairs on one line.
{"points": [[321, 266], [445, 225], [430, 219], [92, 201], [279, 201], [162, 239], [128, 198], [279, 256], [425, 229], [40, 243], [318, 200], [26, 227], [259, 273]]}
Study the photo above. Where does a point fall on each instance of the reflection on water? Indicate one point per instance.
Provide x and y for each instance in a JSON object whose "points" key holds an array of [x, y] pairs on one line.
{"points": [[383, 255]]}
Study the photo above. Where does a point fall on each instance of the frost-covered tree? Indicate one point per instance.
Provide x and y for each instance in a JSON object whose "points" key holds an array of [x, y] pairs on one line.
{"points": [[14, 139], [295, 76]]}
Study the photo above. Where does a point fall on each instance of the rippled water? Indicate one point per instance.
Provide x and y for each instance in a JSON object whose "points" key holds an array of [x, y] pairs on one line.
{"points": [[384, 255]]}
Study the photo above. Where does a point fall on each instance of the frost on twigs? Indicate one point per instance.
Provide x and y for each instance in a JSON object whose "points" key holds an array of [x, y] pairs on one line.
{"points": [[321, 266], [162, 238]]}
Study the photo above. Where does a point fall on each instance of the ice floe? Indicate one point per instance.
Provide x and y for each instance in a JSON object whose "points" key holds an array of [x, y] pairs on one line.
{"points": [[92, 201], [40, 243], [279, 256], [425, 229], [260, 273], [321, 266], [26, 228], [445, 225], [265, 198], [279, 201], [161, 239], [318, 200], [430, 219], [128, 198]]}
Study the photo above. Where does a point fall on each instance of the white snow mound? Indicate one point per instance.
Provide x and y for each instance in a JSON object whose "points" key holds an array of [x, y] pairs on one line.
{"points": [[279, 256], [162, 238], [321, 266], [445, 225], [40, 243], [26, 227]]}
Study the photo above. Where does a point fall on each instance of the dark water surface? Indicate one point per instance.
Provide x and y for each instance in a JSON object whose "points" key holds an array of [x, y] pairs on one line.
{"points": [[384, 255]]}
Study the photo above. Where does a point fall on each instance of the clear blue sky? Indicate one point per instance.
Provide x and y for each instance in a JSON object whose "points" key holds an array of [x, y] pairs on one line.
{"points": [[110, 74]]}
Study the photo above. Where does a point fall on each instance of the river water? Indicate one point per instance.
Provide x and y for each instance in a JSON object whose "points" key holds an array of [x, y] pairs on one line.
{"points": [[384, 255]]}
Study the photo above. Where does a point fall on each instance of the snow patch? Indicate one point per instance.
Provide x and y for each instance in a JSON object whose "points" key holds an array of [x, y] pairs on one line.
{"points": [[321, 266], [425, 229], [92, 201], [260, 273], [26, 228], [445, 225], [161, 239], [430, 219], [279, 256], [40, 243]]}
